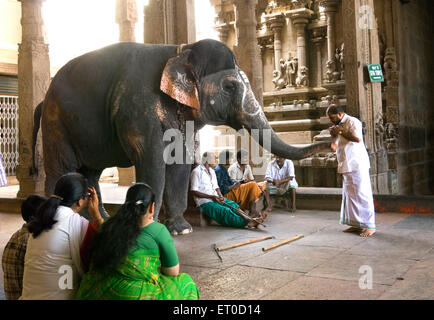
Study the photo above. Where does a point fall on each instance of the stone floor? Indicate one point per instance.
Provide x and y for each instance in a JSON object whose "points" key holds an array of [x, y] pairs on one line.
{"points": [[325, 264]]}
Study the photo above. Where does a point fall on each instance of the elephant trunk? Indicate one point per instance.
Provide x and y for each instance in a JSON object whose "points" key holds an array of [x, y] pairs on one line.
{"points": [[259, 128]]}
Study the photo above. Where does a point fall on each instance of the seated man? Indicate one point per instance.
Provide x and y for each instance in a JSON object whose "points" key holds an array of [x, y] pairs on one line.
{"points": [[280, 177], [15, 250], [208, 197], [246, 194]]}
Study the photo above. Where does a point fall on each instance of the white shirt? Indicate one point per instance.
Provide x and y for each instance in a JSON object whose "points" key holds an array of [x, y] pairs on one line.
{"points": [[236, 174], [52, 256], [351, 156], [287, 170], [204, 182]]}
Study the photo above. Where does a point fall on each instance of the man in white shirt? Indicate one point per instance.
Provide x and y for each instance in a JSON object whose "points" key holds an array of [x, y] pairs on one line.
{"points": [[357, 209], [240, 170], [207, 195], [280, 177]]}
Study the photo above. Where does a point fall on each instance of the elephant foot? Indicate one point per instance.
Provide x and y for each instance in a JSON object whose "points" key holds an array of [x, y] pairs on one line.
{"points": [[178, 226]]}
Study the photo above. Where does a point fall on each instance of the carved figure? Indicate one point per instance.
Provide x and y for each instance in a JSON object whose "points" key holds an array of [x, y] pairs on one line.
{"points": [[332, 75], [113, 107], [303, 78], [379, 132], [391, 68], [292, 70], [391, 137], [278, 80]]}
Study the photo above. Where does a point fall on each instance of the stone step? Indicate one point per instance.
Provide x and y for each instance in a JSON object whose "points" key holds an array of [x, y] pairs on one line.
{"points": [[291, 113], [298, 125]]}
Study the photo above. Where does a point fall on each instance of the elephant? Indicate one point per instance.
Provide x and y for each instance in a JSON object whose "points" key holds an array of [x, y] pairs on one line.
{"points": [[111, 107]]}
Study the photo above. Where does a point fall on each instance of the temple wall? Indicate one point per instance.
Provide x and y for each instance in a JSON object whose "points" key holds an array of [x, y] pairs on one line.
{"points": [[416, 97]]}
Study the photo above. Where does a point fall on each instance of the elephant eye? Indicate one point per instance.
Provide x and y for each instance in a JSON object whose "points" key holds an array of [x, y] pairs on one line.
{"points": [[229, 85]]}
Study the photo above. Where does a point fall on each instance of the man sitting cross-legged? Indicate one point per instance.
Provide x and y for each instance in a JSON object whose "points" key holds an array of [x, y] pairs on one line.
{"points": [[208, 197], [280, 177], [246, 194]]}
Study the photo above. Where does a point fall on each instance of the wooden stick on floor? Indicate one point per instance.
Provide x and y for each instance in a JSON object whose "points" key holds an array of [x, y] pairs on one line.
{"points": [[235, 245], [278, 244]]}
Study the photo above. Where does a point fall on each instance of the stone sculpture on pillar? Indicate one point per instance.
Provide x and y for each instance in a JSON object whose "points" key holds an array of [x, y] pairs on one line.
{"points": [[391, 68], [342, 61], [332, 75], [391, 137], [292, 71], [303, 78], [379, 132], [279, 76]]}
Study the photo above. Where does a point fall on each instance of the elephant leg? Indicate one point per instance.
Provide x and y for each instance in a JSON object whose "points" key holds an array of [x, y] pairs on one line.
{"points": [[175, 198], [59, 159], [92, 177], [152, 174]]}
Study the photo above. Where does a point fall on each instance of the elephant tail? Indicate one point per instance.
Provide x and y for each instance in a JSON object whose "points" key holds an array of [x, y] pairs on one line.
{"points": [[36, 125]]}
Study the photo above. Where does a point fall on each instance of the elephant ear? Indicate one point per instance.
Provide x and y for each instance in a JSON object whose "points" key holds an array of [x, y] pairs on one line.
{"points": [[178, 80]]}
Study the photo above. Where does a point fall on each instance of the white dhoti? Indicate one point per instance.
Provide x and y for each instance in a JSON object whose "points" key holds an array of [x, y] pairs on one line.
{"points": [[357, 208]]}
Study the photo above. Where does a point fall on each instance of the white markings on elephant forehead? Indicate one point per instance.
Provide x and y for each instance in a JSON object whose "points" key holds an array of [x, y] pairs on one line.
{"points": [[243, 76], [182, 80]]}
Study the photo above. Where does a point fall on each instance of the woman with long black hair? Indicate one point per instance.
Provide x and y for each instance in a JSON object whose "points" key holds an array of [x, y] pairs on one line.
{"points": [[53, 265], [126, 254]]}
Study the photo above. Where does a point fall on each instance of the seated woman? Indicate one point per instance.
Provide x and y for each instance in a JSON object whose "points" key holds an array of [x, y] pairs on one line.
{"points": [[127, 252], [53, 265]]}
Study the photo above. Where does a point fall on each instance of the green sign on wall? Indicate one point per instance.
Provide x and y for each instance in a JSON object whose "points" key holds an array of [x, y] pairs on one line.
{"points": [[375, 73]]}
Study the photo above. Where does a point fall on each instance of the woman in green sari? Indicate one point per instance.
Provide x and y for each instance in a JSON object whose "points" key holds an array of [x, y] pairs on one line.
{"points": [[126, 254]]}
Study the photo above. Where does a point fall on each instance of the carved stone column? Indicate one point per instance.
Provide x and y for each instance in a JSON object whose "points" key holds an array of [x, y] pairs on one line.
{"points": [[275, 23], [364, 98], [169, 22], [300, 19], [317, 39], [330, 9], [126, 17], [33, 82], [247, 50], [223, 31]]}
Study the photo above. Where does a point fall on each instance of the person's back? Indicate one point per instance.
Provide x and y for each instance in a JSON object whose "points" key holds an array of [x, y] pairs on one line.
{"points": [[15, 250], [53, 264], [48, 258]]}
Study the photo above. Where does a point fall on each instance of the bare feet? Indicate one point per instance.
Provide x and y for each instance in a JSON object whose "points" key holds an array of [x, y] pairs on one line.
{"points": [[367, 233], [254, 223], [264, 214], [352, 229], [293, 209]]}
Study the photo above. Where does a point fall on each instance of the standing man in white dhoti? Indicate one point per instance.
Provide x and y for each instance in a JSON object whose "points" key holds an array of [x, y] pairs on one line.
{"points": [[357, 209]]}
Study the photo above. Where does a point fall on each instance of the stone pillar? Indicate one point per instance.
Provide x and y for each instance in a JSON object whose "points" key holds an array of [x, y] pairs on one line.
{"points": [[223, 31], [247, 50], [33, 83], [330, 9], [300, 19], [317, 39], [364, 98], [126, 17], [169, 22], [275, 23]]}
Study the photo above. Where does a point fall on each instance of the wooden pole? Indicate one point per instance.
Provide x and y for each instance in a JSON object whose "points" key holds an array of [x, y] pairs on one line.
{"points": [[235, 245], [283, 242]]}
